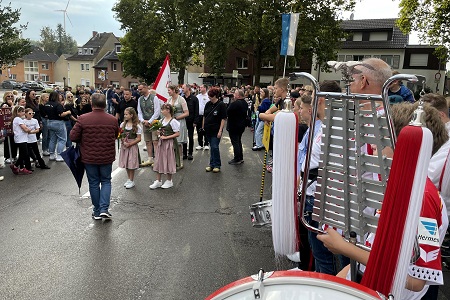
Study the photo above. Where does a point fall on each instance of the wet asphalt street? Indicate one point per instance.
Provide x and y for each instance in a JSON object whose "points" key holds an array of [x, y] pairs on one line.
{"points": [[181, 243]]}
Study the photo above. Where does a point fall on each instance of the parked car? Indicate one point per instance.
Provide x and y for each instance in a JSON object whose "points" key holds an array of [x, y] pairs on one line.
{"points": [[32, 85], [11, 85]]}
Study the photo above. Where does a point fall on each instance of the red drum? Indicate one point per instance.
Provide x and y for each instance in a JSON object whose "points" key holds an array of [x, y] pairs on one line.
{"points": [[281, 285]]}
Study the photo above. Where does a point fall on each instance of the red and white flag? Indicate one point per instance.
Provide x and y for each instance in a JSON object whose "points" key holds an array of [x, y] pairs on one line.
{"points": [[163, 80]]}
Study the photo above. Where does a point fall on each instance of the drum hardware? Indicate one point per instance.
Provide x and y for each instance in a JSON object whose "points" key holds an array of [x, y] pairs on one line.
{"points": [[261, 213]]}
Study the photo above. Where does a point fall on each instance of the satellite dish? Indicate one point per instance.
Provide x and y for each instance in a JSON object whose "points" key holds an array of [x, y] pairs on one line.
{"points": [[352, 16]]}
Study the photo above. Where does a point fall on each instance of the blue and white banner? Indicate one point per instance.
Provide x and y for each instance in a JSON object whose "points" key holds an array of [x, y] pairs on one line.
{"points": [[289, 24]]}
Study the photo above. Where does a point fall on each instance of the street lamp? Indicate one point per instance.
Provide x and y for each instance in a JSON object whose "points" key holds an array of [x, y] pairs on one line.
{"points": [[64, 79]]}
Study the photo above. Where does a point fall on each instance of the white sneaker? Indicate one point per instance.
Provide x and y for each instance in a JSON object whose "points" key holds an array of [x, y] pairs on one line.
{"points": [[295, 257], [206, 148], [130, 185], [145, 148], [1, 178], [126, 183], [167, 184], [52, 156], [155, 185], [8, 161], [46, 153], [59, 158], [198, 148]]}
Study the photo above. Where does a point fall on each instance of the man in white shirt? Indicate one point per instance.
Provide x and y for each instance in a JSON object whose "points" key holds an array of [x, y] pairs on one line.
{"points": [[202, 100]]}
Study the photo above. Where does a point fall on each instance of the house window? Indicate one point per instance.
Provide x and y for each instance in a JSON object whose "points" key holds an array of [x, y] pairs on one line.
{"points": [[378, 36], [293, 64], [348, 57], [357, 36], [80, 51], [31, 66], [266, 64], [114, 66], [241, 63], [367, 56], [395, 61], [418, 60], [85, 51], [45, 66], [358, 57], [82, 67], [88, 83], [392, 60], [341, 57], [13, 76], [87, 67], [45, 77], [115, 83], [118, 48], [91, 51]]}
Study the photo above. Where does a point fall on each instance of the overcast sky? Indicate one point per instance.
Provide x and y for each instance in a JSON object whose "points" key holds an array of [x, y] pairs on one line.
{"points": [[96, 15]]}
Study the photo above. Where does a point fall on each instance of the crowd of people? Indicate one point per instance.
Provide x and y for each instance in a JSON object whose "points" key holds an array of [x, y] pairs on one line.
{"points": [[93, 118]]}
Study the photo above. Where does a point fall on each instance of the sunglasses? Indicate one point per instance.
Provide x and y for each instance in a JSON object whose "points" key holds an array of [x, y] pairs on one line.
{"points": [[69, 96]]}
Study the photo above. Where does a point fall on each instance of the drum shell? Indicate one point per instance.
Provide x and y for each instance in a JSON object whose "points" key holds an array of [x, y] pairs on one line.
{"points": [[296, 285]]}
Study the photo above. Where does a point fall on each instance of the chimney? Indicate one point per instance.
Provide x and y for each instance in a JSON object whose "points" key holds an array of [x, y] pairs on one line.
{"points": [[94, 33]]}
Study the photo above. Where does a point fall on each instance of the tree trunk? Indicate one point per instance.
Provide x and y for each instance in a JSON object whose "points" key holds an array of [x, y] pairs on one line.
{"points": [[258, 62], [181, 75]]}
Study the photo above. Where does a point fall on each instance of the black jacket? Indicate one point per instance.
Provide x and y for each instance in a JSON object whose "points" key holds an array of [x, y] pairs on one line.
{"points": [[237, 115], [192, 104]]}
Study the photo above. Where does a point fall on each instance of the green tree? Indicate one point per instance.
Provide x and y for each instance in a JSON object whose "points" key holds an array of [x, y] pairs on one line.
{"points": [[57, 41], [135, 64], [157, 27], [12, 46], [187, 28], [256, 31], [430, 18]]}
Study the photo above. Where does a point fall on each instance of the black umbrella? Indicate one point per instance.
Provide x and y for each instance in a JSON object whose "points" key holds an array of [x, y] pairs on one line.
{"points": [[72, 157]]}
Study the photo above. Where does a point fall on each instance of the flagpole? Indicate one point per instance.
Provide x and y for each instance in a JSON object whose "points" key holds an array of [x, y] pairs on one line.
{"points": [[285, 57]]}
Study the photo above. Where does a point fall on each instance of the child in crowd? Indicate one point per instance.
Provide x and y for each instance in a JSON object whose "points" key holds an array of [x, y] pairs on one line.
{"points": [[33, 149], [129, 151], [167, 144], [21, 131]]}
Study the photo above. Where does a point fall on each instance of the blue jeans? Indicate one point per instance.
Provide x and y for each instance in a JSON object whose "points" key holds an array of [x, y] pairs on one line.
{"points": [[214, 153], [259, 131], [99, 178], [323, 258], [68, 129], [45, 137], [58, 135]]}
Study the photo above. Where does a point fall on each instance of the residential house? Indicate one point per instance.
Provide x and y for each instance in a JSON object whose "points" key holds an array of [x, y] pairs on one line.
{"points": [[109, 71], [36, 66], [80, 69], [62, 67], [381, 38]]}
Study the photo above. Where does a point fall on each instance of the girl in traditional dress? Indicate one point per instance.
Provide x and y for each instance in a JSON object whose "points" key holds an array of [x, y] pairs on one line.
{"points": [[131, 136], [167, 149]]}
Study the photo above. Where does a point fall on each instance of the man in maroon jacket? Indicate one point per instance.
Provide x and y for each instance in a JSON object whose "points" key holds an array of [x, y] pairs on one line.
{"points": [[96, 133]]}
